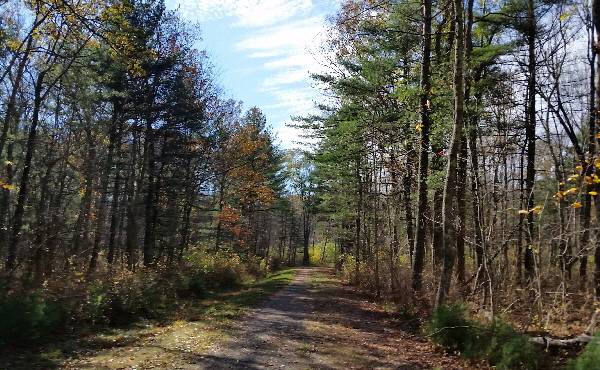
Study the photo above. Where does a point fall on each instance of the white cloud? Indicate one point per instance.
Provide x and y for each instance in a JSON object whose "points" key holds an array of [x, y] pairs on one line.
{"points": [[248, 13], [284, 78], [298, 102], [289, 48], [288, 53], [297, 34], [291, 137], [282, 37], [294, 60]]}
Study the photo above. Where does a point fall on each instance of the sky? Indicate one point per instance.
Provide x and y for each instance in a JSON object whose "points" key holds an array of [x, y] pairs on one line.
{"points": [[263, 52]]}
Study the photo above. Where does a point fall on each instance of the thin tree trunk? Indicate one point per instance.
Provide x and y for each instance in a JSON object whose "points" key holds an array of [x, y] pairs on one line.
{"points": [[448, 207], [11, 258], [424, 102], [104, 180], [114, 217], [595, 100], [530, 134]]}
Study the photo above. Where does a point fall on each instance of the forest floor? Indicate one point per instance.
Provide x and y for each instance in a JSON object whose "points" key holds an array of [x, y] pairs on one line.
{"points": [[315, 322]]}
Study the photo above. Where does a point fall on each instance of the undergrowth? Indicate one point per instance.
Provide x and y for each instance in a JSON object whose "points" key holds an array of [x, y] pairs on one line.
{"points": [[589, 359], [496, 342], [121, 298]]}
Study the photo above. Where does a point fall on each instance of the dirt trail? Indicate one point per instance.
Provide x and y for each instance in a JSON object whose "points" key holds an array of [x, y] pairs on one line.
{"points": [[316, 323]]}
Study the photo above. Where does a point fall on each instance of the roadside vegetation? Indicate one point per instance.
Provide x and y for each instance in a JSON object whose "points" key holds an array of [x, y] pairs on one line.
{"points": [[207, 317]]}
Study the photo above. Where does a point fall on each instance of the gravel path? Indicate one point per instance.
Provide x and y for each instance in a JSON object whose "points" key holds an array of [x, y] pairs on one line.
{"points": [[316, 323]]}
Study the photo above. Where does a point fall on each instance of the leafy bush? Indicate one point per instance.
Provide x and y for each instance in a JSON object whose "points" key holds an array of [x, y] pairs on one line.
{"points": [[450, 328], [507, 349], [29, 318], [130, 296], [589, 359], [220, 270], [274, 263], [499, 343], [255, 266], [120, 298]]}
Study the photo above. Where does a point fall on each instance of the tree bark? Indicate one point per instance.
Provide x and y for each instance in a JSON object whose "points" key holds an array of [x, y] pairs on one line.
{"points": [[530, 135], [448, 206], [11, 258], [113, 138], [425, 103]]}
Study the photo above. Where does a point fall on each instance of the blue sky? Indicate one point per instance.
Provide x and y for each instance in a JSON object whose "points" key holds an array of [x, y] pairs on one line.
{"points": [[263, 51]]}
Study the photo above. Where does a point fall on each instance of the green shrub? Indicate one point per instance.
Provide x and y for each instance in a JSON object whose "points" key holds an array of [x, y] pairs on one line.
{"points": [[589, 359], [499, 343], [131, 296], [255, 266], [29, 318], [196, 285], [450, 328], [220, 270], [274, 263]]}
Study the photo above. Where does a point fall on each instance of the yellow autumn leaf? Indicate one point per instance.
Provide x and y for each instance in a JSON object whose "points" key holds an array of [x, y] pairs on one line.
{"points": [[8, 186], [523, 212], [13, 44], [418, 127], [579, 168], [559, 195], [537, 210], [573, 177], [593, 193], [576, 205], [564, 16], [570, 191]]}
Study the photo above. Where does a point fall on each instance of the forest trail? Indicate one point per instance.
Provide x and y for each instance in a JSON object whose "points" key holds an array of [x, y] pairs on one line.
{"points": [[313, 323]]}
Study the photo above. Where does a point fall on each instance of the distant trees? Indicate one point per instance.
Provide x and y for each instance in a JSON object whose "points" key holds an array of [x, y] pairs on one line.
{"points": [[118, 149], [487, 111]]}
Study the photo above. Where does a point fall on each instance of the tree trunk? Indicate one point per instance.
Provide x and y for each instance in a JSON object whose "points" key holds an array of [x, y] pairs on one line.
{"points": [[528, 262], [448, 206], [424, 102], [11, 258], [596, 115], [461, 210], [82, 225], [113, 138], [114, 217], [11, 114], [149, 236]]}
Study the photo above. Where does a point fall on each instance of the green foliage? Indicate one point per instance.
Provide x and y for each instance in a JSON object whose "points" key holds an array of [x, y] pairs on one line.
{"points": [[274, 263], [26, 319], [215, 271], [589, 359], [507, 349], [322, 254], [504, 348], [450, 328], [126, 297], [123, 300]]}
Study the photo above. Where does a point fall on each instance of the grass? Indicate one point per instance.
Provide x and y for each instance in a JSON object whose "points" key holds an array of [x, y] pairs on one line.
{"points": [[320, 279], [228, 305], [189, 331]]}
